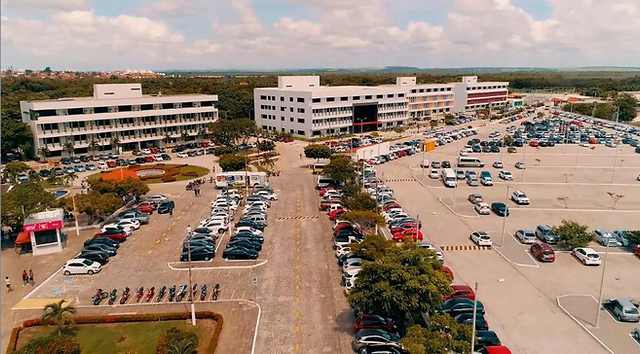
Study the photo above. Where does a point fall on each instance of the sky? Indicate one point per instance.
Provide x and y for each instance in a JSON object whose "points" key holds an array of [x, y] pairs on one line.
{"points": [[293, 34]]}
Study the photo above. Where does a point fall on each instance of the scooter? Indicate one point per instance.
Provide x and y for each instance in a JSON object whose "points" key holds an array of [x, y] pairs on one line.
{"points": [[112, 298], [99, 296], [216, 292], [182, 292], [161, 293], [125, 295], [194, 291], [172, 293], [203, 292], [139, 294], [150, 293]]}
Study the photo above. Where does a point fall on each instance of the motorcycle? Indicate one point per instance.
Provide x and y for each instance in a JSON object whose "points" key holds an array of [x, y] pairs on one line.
{"points": [[172, 293], [150, 293], [190, 186], [182, 292], [112, 297], [216, 292], [125, 295], [203, 292], [194, 291], [161, 293], [99, 296], [139, 294]]}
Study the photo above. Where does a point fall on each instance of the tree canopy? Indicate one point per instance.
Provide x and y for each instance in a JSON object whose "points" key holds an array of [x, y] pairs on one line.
{"points": [[340, 168], [13, 169], [361, 201], [121, 188], [443, 335], [572, 234], [230, 132], [23, 200], [96, 205], [232, 162], [317, 151]]}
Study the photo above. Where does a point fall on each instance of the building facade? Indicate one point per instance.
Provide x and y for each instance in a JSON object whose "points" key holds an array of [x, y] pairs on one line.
{"points": [[300, 106], [117, 116]]}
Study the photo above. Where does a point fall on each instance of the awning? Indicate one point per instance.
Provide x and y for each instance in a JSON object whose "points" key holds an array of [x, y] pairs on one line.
{"points": [[23, 237]]}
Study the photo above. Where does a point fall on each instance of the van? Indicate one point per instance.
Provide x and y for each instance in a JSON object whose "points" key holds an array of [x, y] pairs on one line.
{"points": [[324, 182], [318, 168], [623, 310], [464, 161], [448, 177]]}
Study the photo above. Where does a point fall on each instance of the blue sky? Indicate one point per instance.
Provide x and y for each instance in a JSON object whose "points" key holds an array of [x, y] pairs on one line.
{"points": [[280, 34]]}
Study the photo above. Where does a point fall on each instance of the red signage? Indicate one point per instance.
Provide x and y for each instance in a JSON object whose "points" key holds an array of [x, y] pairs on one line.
{"points": [[42, 226]]}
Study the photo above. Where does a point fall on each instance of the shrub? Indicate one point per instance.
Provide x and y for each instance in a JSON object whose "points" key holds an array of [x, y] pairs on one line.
{"points": [[52, 344], [223, 150], [232, 162], [189, 174], [512, 150], [166, 179], [174, 336]]}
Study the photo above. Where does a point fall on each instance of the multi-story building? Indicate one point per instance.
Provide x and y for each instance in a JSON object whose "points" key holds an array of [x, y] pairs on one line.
{"points": [[300, 106], [118, 115], [471, 95]]}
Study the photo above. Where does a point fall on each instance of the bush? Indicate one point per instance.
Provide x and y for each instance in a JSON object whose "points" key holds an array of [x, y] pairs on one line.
{"points": [[572, 234], [166, 179], [223, 150], [174, 336], [189, 174], [53, 344], [232, 162]]}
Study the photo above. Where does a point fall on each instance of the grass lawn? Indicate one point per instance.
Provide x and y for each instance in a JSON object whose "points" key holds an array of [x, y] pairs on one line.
{"points": [[139, 337], [200, 171]]}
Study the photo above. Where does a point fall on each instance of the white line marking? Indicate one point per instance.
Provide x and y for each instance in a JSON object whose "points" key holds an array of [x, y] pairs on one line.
{"points": [[580, 324], [528, 252], [41, 284], [457, 214], [221, 267], [515, 263], [570, 183], [578, 210], [634, 339]]}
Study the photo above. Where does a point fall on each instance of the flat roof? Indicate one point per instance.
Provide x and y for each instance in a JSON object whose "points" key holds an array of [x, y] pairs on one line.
{"points": [[91, 98]]}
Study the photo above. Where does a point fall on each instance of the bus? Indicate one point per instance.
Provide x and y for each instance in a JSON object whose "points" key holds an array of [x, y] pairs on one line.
{"points": [[237, 179], [470, 162], [318, 168]]}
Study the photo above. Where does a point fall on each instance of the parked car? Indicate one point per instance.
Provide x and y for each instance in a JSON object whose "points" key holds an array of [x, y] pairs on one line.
{"points": [[622, 238], [102, 240], [198, 254], [520, 165], [481, 238], [457, 306], [166, 207], [500, 208], [98, 247], [239, 253], [497, 164], [96, 256], [374, 336], [382, 348], [461, 291], [622, 309], [545, 234], [157, 198], [505, 175], [482, 208], [112, 234], [373, 322], [81, 266], [543, 252], [587, 256], [605, 238], [467, 318], [434, 174], [475, 198], [486, 339], [526, 236]]}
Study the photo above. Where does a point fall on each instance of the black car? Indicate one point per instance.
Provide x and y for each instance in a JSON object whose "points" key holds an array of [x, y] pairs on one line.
{"points": [[457, 306], [65, 161], [45, 173], [103, 241], [198, 254], [476, 148], [446, 164], [140, 160], [200, 242], [239, 253], [192, 153], [467, 318], [97, 247], [96, 256], [248, 236], [495, 148], [382, 348], [166, 206], [165, 157], [246, 243], [84, 158], [486, 339], [500, 208], [255, 225]]}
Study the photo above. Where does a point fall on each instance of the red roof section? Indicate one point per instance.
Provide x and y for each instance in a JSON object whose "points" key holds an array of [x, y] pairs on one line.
{"points": [[23, 237]]}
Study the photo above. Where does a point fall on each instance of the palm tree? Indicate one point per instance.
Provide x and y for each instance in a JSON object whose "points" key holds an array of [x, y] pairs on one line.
{"points": [[35, 177], [93, 146], [59, 315], [53, 179], [69, 178], [183, 347], [166, 139], [201, 134], [44, 153], [184, 136], [68, 148], [115, 142]]}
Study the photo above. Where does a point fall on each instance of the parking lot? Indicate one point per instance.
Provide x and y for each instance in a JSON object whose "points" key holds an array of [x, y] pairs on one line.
{"points": [[557, 295]]}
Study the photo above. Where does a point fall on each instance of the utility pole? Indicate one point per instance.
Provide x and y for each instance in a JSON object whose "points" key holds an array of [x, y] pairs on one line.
{"points": [[75, 214], [191, 296], [604, 269], [504, 218]]}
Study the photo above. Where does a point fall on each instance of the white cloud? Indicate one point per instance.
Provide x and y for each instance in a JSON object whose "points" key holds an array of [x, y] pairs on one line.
{"points": [[45, 5]]}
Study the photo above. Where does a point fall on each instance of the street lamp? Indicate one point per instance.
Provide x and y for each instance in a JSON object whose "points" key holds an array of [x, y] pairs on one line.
{"points": [[475, 313], [504, 218], [604, 269]]}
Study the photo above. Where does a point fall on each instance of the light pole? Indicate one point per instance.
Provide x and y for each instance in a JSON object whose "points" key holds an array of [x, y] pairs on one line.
{"points": [[504, 218], [475, 308], [524, 159], [615, 159], [604, 269], [193, 308], [455, 186]]}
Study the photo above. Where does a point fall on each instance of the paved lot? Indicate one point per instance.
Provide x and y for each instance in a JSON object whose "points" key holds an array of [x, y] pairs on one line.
{"points": [[527, 298]]}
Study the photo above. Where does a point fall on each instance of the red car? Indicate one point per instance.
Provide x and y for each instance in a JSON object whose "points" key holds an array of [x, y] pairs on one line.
{"points": [[325, 190], [373, 322], [288, 140], [403, 153], [204, 144], [149, 159], [392, 205], [461, 292], [145, 208], [154, 150], [495, 349], [408, 226], [533, 143], [448, 271], [400, 236], [638, 250], [119, 236], [111, 164], [592, 141], [342, 226], [336, 214]]}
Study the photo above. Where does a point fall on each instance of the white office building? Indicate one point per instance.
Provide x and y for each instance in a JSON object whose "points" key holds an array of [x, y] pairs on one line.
{"points": [[470, 95], [300, 106], [117, 115]]}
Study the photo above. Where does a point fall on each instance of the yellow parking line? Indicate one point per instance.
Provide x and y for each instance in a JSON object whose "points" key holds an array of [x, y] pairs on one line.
{"points": [[297, 328], [297, 287], [297, 299], [174, 223], [179, 216], [169, 228], [297, 313], [297, 258], [298, 276], [164, 234], [297, 345]]}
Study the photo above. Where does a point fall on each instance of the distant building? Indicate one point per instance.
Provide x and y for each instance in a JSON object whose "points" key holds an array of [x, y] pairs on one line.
{"points": [[117, 111], [470, 95]]}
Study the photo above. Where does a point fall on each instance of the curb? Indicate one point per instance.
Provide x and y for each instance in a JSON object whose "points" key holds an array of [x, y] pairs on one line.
{"points": [[457, 214]]}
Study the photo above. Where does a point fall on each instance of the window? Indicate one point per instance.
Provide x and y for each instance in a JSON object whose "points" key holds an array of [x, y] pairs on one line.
{"points": [[291, 119], [263, 97], [45, 237], [379, 96], [167, 105], [368, 97], [300, 110], [135, 89], [401, 95], [344, 98], [290, 109], [300, 132], [124, 108], [187, 104], [331, 99], [414, 91], [282, 119], [390, 95], [290, 99], [206, 103], [281, 98], [315, 100], [356, 98], [282, 109], [300, 120], [77, 125], [300, 99], [72, 111]]}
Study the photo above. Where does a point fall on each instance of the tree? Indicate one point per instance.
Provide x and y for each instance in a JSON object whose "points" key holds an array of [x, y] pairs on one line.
{"points": [[223, 150], [433, 123], [202, 133], [317, 151], [266, 145], [616, 197], [166, 139], [58, 314], [367, 220], [508, 140], [448, 118], [232, 162], [121, 188], [401, 280], [627, 107], [175, 340], [184, 136], [572, 234], [16, 135], [60, 344], [115, 143], [98, 206], [340, 168], [69, 178], [44, 152], [361, 201], [443, 335], [23, 200], [68, 148], [229, 132], [13, 169]]}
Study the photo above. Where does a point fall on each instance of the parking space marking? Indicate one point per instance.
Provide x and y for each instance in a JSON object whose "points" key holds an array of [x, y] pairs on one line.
{"points": [[475, 216], [637, 341], [262, 262], [297, 217], [516, 263], [579, 210], [578, 321], [465, 248], [400, 180]]}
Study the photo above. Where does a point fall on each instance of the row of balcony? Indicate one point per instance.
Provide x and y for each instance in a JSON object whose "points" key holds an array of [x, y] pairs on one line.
{"points": [[118, 127]]}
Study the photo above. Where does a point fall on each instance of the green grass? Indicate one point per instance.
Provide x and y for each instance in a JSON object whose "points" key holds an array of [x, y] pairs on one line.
{"points": [[139, 337], [200, 171]]}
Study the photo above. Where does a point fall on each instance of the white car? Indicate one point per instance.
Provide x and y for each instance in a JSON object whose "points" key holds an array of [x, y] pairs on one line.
{"points": [[434, 174], [431, 247], [520, 165], [424, 164], [183, 155], [505, 175], [520, 198], [158, 158], [587, 256], [482, 208], [486, 181], [135, 224], [249, 229], [128, 229], [352, 263], [526, 236], [81, 266], [481, 238], [268, 195], [342, 250], [157, 198], [102, 165], [146, 151], [396, 216], [351, 274]]}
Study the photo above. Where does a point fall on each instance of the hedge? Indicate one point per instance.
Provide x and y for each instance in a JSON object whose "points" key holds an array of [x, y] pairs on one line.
{"points": [[15, 333]]}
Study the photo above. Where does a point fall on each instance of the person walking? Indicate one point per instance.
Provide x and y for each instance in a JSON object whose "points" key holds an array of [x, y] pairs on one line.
{"points": [[31, 277], [171, 212], [25, 277], [8, 283], [189, 231]]}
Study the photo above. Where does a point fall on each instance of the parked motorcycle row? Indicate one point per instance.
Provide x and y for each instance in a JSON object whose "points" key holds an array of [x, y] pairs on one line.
{"points": [[169, 294]]}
